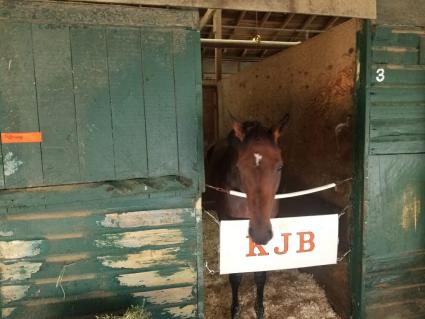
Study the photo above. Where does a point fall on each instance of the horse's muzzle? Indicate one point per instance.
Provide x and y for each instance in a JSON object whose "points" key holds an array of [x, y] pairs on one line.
{"points": [[261, 236]]}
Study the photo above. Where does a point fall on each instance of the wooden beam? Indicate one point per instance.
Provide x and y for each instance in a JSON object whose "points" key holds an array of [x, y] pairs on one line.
{"points": [[238, 21], [306, 24], [356, 9], [264, 19], [331, 23], [218, 56], [285, 22], [205, 18]]}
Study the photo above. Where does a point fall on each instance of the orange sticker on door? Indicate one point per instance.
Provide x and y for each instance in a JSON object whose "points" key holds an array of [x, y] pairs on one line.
{"points": [[24, 137]]}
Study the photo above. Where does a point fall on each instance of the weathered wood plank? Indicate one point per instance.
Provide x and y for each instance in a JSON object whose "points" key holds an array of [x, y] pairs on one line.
{"points": [[387, 36], [399, 93], [53, 71], [160, 107], [395, 56], [21, 163], [100, 301], [83, 194], [92, 104], [136, 243], [361, 9], [188, 111], [101, 14], [72, 224], [128, 110]]}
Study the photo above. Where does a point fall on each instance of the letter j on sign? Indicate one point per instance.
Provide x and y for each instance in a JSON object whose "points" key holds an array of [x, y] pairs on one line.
{"points": [[297, 242]]}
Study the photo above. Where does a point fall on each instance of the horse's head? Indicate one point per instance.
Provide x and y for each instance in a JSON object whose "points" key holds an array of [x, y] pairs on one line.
{"points": [[259, 163]]}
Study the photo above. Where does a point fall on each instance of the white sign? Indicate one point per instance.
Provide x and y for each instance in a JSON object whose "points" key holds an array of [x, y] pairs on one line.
{"points": [[297, 242]]}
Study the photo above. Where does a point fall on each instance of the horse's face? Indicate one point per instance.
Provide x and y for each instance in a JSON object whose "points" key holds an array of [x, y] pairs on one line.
{"points": [[259, 165]]}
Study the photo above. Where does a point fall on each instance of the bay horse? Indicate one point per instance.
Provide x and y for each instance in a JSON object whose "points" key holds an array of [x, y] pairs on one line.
{"points": [[249, 161]]}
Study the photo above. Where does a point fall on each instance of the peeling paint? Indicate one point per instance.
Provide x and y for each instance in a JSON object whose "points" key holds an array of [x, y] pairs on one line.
{"points": [[6, 312], [19, 249], [145, 258], [182, 312], [411, 208], [167, 296], [13, 293], [18, 271], [143, 218], [154, 278], [136, 239], [6, 233], [11, 164]]}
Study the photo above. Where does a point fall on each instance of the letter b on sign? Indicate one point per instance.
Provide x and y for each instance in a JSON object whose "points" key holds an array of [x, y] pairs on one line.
{"points": [[306, 239]]}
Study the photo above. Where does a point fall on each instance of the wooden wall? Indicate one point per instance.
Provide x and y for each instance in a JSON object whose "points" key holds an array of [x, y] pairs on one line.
{"points": [[314, 82], [104, 212]]}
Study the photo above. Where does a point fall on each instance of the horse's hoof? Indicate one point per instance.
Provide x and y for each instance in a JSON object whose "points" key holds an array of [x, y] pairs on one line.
{"points": [[259, 311], [236, 311]]}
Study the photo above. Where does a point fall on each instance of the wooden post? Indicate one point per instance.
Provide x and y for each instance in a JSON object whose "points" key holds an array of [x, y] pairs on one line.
{"points": [[218, 51]]}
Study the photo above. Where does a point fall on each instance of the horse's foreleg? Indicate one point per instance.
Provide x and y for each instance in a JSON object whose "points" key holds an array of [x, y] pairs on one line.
{"points": [[260, 281], [235, 281]]}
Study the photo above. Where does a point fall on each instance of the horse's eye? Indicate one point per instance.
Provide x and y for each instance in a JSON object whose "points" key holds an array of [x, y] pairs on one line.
{"points": [[280, 167]]}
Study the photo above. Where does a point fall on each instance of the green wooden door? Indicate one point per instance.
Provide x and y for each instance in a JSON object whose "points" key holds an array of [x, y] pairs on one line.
{"points": [[102, 213], [389, 269]]}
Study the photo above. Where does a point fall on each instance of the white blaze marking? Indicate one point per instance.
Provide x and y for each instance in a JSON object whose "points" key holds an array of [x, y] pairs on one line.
{"points": [[258, 158]]}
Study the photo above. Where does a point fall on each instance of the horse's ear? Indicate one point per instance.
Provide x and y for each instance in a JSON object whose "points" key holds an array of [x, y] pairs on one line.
{"points": [[239, 131], [277, 130]]}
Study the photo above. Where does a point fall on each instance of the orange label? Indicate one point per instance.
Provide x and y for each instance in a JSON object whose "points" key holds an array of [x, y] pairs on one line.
{"points": [[27, 137]]}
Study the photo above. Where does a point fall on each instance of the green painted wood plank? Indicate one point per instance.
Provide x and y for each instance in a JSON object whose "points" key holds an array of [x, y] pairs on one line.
{"points": [[399, 74], [53, 72], [408, 309], [128, 111], [18, 107], [188, 111], [85, 193], [388, 55], [159, 103], [392, 263], [387, 36], [102, 302], [412, 276], [398, 186], [401, 93], [54, 224], [115, 245], [1, 164], [422, 50], [39, 273], [92, 104], [74, 289]]}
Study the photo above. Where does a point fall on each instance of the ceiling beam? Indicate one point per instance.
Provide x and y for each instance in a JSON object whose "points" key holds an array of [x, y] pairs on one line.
{"points": [[285, 22], [332, 21], [305, 25], [356, 9], [206, 18], [241, 16]]}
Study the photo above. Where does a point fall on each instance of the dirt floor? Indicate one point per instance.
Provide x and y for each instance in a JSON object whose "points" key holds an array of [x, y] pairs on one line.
{"points": [[289, 294]]}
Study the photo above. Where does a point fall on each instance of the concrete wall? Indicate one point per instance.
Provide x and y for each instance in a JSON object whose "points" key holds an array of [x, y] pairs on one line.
{"points": [[314, 82]]}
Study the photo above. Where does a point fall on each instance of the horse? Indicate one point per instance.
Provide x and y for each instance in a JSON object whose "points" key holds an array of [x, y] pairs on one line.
{"points": [[250, 161]]}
